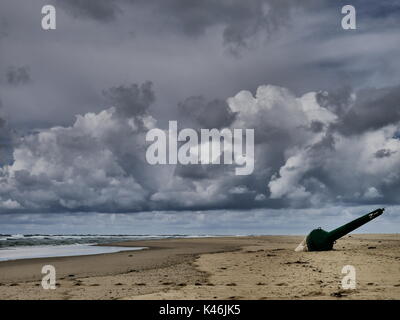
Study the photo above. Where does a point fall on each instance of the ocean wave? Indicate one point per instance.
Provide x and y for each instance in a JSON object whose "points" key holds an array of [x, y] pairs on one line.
{"points": [[18, 240]]}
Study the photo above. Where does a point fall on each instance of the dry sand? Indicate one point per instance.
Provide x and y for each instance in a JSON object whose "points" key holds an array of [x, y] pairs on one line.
{"points": [[264, 267]]}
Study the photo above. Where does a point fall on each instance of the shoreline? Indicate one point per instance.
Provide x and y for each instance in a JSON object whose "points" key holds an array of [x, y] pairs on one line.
{"points": [[48, 251], [167, 250], [249, 267], [114, 244]]}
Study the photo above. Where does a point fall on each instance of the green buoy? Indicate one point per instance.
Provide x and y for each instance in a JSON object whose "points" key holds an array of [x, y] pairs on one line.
{"points": [[321, 240]]}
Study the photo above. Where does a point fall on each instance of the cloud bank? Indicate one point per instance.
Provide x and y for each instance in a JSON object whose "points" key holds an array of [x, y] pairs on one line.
{"points": [[315, 150]]}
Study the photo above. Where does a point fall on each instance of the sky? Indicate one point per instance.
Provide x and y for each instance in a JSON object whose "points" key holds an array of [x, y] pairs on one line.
{"points": [[77, 102]]}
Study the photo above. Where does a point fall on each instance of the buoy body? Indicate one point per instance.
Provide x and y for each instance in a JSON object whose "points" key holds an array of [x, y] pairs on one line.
{"points": [[318, 240]]}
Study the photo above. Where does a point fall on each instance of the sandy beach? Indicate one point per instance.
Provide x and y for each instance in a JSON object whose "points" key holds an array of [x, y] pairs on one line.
{"points": [[262, 267]]}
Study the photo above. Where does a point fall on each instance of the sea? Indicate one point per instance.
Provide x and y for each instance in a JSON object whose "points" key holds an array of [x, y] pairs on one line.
{"points": [[29, 246]]}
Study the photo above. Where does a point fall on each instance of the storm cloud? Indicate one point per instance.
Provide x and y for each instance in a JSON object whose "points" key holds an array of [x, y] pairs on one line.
{"points": [[101, 10], [240, 21], [98, 164], [184, 49], [204, 114], [18, 75], [6, 140]]}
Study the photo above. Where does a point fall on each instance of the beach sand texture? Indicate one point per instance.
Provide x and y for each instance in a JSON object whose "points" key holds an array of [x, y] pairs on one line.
{"points": [[262, 267]]}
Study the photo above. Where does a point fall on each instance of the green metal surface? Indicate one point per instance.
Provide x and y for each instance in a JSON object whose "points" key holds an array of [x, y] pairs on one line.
{"points": [[318, 240], [321, 240]]}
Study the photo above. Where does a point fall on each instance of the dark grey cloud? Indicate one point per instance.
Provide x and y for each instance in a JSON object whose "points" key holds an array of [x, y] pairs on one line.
{"points": [[131, 100], [383, 153], [101, 10], [316, 126], [3, 28], [192, 172], [241, 21], [6, 140], [204, 114], [337, 101], [180, 47], [384, 9], [18, 75], [371, 109]]}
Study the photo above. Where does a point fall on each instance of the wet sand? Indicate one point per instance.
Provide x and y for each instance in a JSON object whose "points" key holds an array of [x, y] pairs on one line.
{"points": [[264, 267]]}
